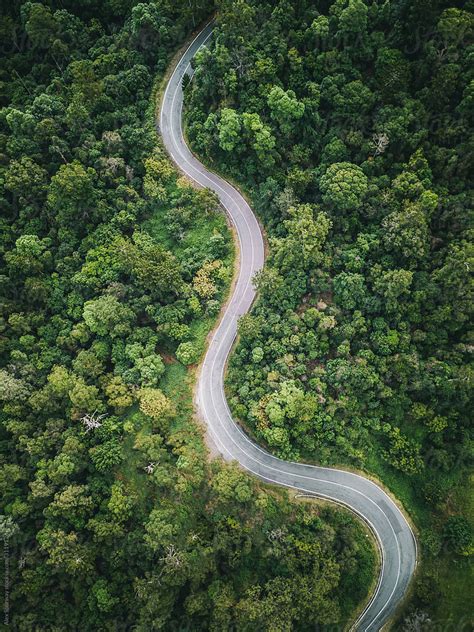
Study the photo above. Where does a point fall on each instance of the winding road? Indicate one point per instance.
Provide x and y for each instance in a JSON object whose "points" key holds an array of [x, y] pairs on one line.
{"points": [[395, 538]]}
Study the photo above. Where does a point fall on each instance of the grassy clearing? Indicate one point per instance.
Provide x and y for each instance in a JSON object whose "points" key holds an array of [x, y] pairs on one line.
{"points": [[456, 579], [195, 240], [177, 385]]}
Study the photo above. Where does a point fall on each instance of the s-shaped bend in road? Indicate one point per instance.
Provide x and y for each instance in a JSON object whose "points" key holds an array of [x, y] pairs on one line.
{"points": [[395, 538]]}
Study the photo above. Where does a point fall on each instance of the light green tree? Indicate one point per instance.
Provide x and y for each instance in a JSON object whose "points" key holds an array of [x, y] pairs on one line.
{"points": [[187, 353], [229, 129], [106, 316], [285, 108], [344, 186]]}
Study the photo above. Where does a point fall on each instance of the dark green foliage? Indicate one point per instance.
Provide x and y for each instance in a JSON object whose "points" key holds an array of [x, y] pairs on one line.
{"points": [[458, 534]]}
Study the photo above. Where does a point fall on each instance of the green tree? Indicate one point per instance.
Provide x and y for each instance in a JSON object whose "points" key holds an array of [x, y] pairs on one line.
{"points": [[84, 397], [155, 404], [106, 316], [26, 180], [40, 25], [107, 455], [260, 137], [229, 130], [403, 453], [72, 198], [406, 233], [458, 534], [101, 597], [232, 484], [343, 186], [307, 233], [393, 285], [118, 394], [151, 266], [285, 108], [352, 19], [350, 290], [187, 353]]}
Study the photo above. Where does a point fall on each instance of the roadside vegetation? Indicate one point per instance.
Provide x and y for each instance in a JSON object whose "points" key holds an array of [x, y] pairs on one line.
{"points": [[113, 270], [349, 124]]}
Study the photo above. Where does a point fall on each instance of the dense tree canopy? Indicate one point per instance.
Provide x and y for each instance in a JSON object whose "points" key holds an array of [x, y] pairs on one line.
{"points": [[112, 271], [366, 192]]}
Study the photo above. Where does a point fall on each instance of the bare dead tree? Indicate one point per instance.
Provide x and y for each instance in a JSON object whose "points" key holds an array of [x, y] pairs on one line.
{"points": [[172, 558], [92, 422], [441, 53], [150, 468], [381, 141], [276, 535], [239, 61], [56, 148]]}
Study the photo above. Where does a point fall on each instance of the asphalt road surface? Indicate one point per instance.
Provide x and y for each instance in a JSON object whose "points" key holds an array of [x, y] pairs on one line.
{"points": [[392, 531]]}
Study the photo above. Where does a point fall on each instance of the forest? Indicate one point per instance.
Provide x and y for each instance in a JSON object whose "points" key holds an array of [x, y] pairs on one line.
{"points": [[349, 126], [112, 272]]}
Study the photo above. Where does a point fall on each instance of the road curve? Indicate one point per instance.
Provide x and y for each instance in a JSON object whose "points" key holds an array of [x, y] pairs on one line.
{"points": [[394, 535]]}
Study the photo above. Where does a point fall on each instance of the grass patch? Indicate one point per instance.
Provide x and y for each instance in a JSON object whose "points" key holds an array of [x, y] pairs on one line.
{"points": [[176, 384], [131, 469], [456, 579], [400, 486]]}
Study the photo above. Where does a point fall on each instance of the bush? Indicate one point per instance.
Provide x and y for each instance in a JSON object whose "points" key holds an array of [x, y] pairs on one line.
{"points": [[458, 534], [187, 353]]}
